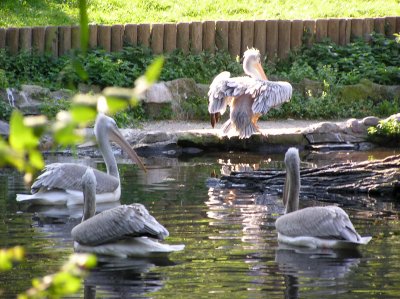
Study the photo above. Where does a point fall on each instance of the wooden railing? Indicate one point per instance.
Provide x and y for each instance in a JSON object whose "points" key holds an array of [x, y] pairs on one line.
{"points": [[272, 37]]}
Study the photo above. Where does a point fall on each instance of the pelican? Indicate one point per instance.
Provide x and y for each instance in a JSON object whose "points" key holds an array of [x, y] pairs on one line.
{"points": [[248, 97], [60, 183], [314, 227], [126, 230]]}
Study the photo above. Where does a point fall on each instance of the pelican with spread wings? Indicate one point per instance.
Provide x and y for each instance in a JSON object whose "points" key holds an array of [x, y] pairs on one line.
{"points": [[248, 97]]}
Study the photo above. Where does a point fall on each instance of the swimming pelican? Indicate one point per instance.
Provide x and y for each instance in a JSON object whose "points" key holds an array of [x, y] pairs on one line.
{"points": [[323, 227], [248, 97], [126, 230], [60, 183]]}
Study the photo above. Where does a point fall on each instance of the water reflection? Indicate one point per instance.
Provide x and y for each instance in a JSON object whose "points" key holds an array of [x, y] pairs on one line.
{"points": [[125, 278], [319, 267], [231, 248]]}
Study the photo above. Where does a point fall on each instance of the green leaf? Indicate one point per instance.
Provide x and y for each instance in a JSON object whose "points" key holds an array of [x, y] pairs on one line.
{"points": [[36, 159], [84, 23], [83, 114], [21, 136], [154, 70], [67, 136]]}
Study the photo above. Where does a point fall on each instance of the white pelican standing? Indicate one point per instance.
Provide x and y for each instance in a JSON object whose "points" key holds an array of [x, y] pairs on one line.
{"points": [[315, 227], [248, 97], [60, 183], [126, 230]]}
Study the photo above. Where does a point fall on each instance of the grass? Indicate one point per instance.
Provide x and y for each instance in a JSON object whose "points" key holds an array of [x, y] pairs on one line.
{"points": [[65, 12]]}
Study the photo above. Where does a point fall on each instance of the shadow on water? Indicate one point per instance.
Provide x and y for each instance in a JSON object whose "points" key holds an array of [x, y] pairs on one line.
{"points": [[231, 248]]}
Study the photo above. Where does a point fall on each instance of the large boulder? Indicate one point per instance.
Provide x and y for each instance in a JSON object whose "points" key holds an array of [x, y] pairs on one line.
{"points": [[367, 89], [171, 94]]}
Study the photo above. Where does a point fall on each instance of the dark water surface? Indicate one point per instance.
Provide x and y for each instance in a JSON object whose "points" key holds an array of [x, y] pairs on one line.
{"points": [[231, 249]]}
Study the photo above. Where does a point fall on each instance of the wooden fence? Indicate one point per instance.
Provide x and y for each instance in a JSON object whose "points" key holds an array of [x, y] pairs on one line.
{"points": [[272, 37]]}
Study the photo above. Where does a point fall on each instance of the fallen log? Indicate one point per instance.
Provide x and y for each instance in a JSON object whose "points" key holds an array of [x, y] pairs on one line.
{"points": [[373, 178]]}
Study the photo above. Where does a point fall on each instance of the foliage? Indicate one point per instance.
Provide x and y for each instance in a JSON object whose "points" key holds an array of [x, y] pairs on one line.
{"points": [[10, 256], [3, 79], [64, 282], [387, 132], [378, 61], [50, 107], [5, 110], [65, 12], [131, 116], [195, 108]]}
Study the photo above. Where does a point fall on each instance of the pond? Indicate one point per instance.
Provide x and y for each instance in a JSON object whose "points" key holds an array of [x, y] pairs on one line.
{"points": [[231, 248]]}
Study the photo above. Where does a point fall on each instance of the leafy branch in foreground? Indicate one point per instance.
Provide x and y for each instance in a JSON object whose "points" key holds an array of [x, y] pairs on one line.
{"points": [[22, 151], [64, 282]]}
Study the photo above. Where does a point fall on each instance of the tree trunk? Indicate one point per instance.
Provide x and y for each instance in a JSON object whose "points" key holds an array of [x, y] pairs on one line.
{"points": [[377, 178]]}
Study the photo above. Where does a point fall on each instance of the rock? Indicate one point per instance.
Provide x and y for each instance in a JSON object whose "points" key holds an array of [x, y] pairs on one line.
{"points": [[85, 88], [309, 87], [370, 121], [62, 94], [367, 89], [4, 129], [164, 96], [155, 137], [158, 93]]}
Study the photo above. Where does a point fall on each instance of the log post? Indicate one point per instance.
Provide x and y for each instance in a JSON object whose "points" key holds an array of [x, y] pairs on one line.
{"points": [[272, 40], [182, 37], [356, 28], [64, 40], [51, 40], [209, 36], [38, 38], [92, 36], [2, 38], [12, 40], [284, 27], [117, 34], [333, 30], [379, 25], [170, 37], [296, 34], [196, 37], [390, 25], [234, 38], [157, 38], [342, 32], [75, 37], [221, 35], [321, 30], [309, 30], [260, 36], [104, 37], [247, 33], [143, 35], [368, 28], [130, 34], [25, 38]]}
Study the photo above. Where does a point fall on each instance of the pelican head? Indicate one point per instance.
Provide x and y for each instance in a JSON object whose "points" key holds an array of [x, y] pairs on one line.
{"points": [[252, 64], [106, 129], [291, 189]]}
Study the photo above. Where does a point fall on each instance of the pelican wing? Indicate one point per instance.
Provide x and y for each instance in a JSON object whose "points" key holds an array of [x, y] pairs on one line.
{"points": [[269, 94], [224, 88], [67, 176], [329, 222], [117, 224]]}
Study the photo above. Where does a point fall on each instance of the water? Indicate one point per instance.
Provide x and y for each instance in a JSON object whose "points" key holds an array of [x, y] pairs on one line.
{"points": [[231, 249]]}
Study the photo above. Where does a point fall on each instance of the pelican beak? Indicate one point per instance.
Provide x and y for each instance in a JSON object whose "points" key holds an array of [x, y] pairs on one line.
{"points": [[117, 137], [260, 71]]}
